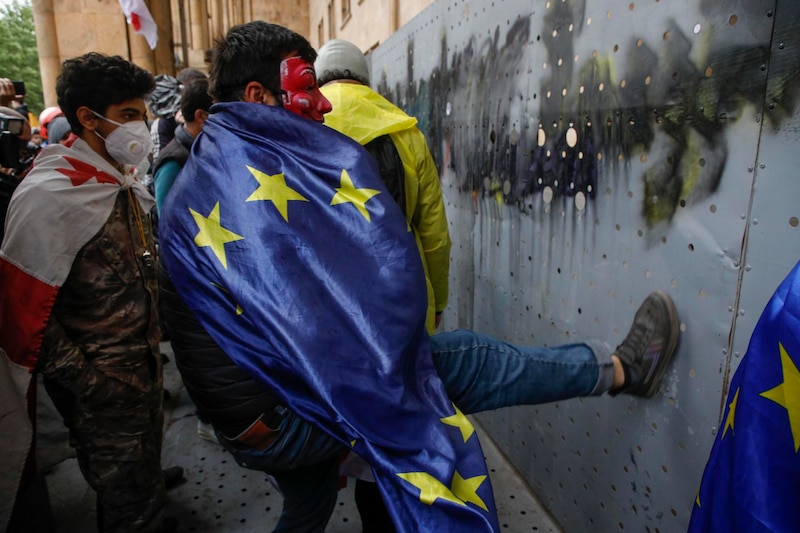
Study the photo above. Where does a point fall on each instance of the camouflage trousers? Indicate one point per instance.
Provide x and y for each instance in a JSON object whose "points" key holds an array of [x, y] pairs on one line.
{"points": [[119, 454]]}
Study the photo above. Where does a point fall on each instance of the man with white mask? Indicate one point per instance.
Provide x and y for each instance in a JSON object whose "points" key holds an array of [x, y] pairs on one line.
{"points": [[78, 290]]}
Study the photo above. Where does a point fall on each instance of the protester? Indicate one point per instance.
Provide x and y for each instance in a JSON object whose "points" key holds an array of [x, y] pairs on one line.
{"points": [[164, 103], [78, 290], [295, 268], [16, 153], [59, 130], [409, 173], [750, 482], [195, 103], [47, 115], [404, 161]]}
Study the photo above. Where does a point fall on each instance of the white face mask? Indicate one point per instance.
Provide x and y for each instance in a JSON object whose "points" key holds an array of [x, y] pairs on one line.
{"points": [[130, 143]]}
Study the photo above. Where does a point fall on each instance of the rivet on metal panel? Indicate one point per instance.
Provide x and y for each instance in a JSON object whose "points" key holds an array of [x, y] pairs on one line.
{"points": [[724, 351], [736, 354], [762, 166], [713, 430], [748, 268], [741, 312], [755, 222]]}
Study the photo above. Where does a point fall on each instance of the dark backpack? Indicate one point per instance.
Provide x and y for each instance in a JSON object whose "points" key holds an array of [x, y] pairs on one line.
{"points": [[390, 167]]}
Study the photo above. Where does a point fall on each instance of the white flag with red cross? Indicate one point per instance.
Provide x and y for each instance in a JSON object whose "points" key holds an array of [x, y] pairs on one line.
{"points": [[142, 21]]}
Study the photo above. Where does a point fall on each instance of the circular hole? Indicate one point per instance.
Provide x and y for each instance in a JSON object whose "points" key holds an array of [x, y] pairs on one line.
{"points": [[713, 208], [733, 20], [793, 222], [691, 247], [666, 36]]}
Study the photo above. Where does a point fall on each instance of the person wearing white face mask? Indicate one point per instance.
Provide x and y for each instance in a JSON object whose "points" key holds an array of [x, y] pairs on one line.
{"points": [[129, 144], [78, 290]]}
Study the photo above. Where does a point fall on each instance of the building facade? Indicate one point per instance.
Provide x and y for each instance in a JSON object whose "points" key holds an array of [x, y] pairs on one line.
{"points": [[187, 28]]}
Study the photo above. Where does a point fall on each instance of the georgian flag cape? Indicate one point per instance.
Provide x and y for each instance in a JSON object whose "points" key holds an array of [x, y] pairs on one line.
{"points": [[59, 206]]}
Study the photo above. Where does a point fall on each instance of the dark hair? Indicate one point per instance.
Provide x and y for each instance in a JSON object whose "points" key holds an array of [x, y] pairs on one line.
{"points": [[195, 96], [189, 74], [329, 75], [252, 52], [98, 81]]}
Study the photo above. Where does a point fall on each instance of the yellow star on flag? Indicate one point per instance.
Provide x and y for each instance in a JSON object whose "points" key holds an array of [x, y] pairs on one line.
{"points": [[731, 414], [273, 188], [431, 489], [787, 394], [467, 489], [211, 233], [461, 422], [348, 194], [239, 310]]}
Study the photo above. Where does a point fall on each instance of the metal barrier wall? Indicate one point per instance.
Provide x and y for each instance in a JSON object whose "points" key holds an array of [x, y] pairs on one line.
{"points": [[591, 152]]}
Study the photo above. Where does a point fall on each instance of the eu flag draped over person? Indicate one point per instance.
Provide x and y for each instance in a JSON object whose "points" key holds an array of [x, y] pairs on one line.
{"points": [[752, 479], [282, 239]]}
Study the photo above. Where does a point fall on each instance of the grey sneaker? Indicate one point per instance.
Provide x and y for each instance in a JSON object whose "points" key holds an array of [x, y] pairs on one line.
{"points": [[647, 350]]}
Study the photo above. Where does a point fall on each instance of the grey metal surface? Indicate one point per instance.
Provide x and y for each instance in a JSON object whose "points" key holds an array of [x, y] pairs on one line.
{"points": [[592, 152]]}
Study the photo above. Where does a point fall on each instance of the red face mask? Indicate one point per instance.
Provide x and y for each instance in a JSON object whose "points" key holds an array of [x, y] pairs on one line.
{"points": [[301, 94]]}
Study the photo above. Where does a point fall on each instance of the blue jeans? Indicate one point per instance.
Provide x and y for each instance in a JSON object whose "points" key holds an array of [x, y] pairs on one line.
{"points": [[479, 373]]}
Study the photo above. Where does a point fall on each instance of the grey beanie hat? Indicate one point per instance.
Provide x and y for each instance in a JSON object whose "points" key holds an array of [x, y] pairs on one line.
{"points": [[340, 59], [58, 129]]}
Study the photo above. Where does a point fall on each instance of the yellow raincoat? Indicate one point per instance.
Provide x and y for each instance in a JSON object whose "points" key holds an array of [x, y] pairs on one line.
{"points": [[364, 115]]}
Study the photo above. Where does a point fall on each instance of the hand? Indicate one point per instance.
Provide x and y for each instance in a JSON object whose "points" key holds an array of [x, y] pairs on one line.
{"points": [[7, 92]]}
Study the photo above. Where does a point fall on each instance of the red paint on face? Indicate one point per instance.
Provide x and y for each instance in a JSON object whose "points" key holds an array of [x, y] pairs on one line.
{"points": [[301, 94]]}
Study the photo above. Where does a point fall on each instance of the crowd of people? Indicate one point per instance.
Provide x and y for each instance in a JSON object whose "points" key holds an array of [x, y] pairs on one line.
{"points": [[300, 268]]}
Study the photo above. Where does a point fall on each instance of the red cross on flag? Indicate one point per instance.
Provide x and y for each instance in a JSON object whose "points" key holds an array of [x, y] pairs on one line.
{"points": [[142, 21]]}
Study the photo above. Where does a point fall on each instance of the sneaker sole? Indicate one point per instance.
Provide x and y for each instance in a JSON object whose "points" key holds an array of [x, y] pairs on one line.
{"points": [[672, 343]]}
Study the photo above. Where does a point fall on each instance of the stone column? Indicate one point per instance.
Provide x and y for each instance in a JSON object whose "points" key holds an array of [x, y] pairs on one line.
{"points": [[199, 23], [47, 45], [199, 26], [165, 49]]}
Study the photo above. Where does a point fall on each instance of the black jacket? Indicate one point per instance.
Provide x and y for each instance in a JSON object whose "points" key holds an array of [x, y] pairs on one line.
{"points": [[226, 394]]}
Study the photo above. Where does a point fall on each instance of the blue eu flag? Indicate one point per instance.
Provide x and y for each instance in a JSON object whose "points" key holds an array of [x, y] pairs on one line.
{"points": [[282, 239], [752, 478]]}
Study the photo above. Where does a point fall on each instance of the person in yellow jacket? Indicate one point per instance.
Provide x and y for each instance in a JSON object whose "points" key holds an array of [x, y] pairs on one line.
{"points": [[403, 157]]}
